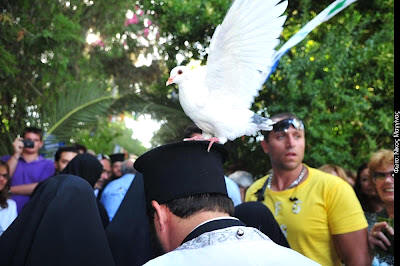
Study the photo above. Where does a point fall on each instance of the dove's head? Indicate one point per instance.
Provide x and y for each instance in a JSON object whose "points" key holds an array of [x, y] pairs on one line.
{"points": [[177, 75]]}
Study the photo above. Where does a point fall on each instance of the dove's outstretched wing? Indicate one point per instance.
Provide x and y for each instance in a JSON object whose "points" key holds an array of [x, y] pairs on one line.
{"points": [[241, 50]]}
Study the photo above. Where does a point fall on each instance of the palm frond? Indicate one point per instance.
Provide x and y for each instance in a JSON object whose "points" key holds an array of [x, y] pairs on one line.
{"points": [[158, 107], [79, 106]]}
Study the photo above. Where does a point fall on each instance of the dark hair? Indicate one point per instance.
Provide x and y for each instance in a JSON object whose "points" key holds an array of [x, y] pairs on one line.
{"points": [[364, 199], [4, 192], [80, 147], [60, 150], [278, 117], [187, 206], [190, 130], [34, 130]]}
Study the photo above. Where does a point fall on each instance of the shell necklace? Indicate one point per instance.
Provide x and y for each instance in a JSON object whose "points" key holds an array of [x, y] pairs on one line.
{"points": [[295, 182]]}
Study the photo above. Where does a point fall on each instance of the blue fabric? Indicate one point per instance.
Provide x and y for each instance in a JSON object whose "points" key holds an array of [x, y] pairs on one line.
{"points": [[233, 191], [128, 233], [114, 193], [376, 262]]}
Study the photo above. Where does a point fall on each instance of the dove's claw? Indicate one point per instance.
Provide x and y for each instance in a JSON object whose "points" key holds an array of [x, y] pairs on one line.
{"points": [[200, 137], [212, 141], [197, 137]]}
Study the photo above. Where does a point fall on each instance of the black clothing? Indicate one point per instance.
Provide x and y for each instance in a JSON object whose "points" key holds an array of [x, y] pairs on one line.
{"points": [[86, 166], [117, 157], [89, 168], [182, 169], [128, 233], [212, 226], [257, 215], [60, 226]]}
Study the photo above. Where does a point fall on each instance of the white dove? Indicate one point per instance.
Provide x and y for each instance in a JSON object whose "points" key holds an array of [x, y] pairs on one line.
{"points": [[218, 96]]}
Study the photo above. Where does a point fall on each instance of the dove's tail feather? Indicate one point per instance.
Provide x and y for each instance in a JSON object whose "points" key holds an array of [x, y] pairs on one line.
{"points": [[262, 123]]}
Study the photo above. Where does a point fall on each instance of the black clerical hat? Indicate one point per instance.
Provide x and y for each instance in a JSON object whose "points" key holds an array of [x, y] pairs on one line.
{"points": [[117, 157], [182, 169]]}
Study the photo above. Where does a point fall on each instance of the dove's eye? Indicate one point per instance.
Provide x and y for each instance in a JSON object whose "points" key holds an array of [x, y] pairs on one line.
{"points": [[180, 72]]}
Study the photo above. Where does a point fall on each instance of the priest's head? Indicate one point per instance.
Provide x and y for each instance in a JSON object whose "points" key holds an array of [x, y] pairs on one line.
{"points": [[184, 186]]}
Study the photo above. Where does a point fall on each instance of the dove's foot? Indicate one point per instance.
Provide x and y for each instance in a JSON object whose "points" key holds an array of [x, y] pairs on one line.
{"points": [[200, 137], [197, 137], [212, 141]]}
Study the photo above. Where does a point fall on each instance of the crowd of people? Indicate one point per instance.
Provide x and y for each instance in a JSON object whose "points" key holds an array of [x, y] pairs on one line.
{"points": [[175, 205]]}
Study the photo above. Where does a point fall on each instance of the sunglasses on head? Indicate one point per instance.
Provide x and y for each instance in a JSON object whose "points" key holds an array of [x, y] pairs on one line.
{"points": [[382, 176], [284, 124], [101, 156]]}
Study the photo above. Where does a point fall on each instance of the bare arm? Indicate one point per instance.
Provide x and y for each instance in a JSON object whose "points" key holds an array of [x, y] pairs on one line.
{"points": [[13, 161], [352, 247], [26, 189]]}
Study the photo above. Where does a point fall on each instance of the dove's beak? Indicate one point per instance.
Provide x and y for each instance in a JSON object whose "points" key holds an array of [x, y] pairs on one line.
{"points": [[169, 81]]}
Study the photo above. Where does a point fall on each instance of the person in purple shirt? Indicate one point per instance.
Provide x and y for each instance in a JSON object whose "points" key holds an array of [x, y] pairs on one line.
{"points": [[27, 167]]}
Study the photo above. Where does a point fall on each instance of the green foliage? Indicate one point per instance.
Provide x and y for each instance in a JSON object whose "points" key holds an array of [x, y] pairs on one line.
{"points": [[187, 21], [7, 63], [105, 135], [340, 79], [39, 43], [76, 108], [47, 70]]}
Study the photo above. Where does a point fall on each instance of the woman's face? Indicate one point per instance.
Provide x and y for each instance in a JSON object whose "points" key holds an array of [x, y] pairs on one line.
{"points": [[366, 187], [3, 177], [384, 183]]}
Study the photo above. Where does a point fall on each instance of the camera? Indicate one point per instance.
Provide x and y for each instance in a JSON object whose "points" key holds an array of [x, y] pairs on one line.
{"points": [[28, 143]]}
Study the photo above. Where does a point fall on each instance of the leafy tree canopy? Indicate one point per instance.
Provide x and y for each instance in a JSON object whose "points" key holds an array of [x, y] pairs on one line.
{"points": [[106, 135], [339, 80]]}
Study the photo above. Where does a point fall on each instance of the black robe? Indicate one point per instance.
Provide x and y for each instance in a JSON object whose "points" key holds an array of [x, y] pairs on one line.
{"points": [[257, 215], [128, 233], [60, 226], [86, 166], [89, 168]]}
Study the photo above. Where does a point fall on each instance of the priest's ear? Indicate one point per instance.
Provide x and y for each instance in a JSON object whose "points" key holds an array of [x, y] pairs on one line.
{"points": [[161, 222], [160, 216], [264, 146]]}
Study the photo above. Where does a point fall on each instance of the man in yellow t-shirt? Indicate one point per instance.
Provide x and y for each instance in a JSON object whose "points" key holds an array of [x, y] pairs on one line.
{"points": [[319, 213]]}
